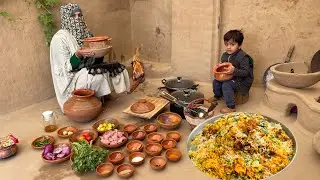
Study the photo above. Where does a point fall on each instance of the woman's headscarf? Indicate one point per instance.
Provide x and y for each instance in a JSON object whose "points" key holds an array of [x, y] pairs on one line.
{"points": [[76, 26]]}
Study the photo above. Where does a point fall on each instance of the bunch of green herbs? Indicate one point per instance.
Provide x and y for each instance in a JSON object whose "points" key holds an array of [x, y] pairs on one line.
{"points": [[86, 158]]}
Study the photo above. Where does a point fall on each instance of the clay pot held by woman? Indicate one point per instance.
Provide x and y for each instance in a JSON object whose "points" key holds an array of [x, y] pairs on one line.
{"points": [[83, 106]]}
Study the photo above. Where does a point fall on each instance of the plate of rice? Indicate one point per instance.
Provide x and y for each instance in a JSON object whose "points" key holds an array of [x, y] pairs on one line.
{"points": [[241, 145]]}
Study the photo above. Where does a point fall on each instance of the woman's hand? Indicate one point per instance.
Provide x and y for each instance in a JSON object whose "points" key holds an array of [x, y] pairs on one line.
{"points": [[84, 52]]}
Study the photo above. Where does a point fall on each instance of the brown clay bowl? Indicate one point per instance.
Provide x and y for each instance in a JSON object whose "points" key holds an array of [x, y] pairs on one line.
{"points": [[220, 71], [60, 160], [139, 135], [116, 145], [154, 137], [68, 128], [142, 106], [169, 120], [116, 157], [174, 135], [78, 136], [130, 128], [158, 162], [134, 146], [105, 169], [51, 141], [168, 143], [96, 125], [124, 167], [153, 149], [150, 128], [137, 154], [173, 154]]}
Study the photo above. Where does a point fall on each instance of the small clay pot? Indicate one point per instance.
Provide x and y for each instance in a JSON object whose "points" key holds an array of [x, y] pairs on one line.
{"points": [[105, 169], [174, 135], [173, 154], [153, 149], [168, 143], [158, 163], [134, 146], [116, 157], [150, 128], [139, 135], [220, 71], [123, 167], [96, 125], [155, 137], [137, 154], [169, 120], [68, 128], [83, 106], [51, 140], [130, 128]]}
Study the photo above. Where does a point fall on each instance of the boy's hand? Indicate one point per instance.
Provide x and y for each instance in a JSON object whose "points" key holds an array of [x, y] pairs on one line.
{"points": [[231, 70]]}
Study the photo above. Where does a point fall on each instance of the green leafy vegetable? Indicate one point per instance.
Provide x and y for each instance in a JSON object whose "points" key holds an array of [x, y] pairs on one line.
{"points": [[43, 142], [87, 158]]}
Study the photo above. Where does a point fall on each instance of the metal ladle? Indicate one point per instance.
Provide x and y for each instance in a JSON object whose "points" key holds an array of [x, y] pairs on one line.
{"points": [[200, 112]]}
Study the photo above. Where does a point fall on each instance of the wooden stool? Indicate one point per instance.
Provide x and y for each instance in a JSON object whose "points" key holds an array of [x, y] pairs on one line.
{"points": [[241, 99]]}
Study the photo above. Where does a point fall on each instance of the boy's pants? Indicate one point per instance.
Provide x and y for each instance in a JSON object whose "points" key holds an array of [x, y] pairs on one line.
{"points": [[225, 89]]}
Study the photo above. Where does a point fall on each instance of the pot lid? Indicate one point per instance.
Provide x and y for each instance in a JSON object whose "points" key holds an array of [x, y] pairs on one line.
{"points": [[178, 82], [142, 106], [315, 62], [187, 95]]}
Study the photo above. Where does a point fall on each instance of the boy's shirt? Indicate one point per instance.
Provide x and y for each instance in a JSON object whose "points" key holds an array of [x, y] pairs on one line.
{"points": [[243, 72]]}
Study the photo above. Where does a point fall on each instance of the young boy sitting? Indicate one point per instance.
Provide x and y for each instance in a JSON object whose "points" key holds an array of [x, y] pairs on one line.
{"points": [[241, 69]]}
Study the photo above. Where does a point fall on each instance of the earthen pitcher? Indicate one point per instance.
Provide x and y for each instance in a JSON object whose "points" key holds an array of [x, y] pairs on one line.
{"points": [[83, 106]]}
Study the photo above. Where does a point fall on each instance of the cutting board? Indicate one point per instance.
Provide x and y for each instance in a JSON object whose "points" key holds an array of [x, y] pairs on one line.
{"points": [[159, 103]]}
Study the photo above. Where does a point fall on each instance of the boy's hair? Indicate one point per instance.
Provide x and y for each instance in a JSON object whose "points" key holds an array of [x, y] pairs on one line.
{"points": [[235, 35]]}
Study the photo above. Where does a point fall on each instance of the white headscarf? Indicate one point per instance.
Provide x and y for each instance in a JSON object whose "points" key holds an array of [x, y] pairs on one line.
{"points": [[76, 26]]}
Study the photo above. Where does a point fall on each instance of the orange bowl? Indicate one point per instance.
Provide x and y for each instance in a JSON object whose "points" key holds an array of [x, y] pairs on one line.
{"points": [[155, 137], [134, 146], [123, 168], [116, 157], [105, 169], [150, 128], [220, 71]]}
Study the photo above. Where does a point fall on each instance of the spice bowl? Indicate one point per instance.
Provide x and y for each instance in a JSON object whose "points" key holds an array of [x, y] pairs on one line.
{"points": [[125, 170], [66, 132], [137, 158], [134, 146], [155, 137], [130, 128], [169, 120], [150, 128], [105, 169], [168, 143], [139, 135], [173, 154], [174, 135], [153, 149], [116, 157], [36, 145], [158, 162]]}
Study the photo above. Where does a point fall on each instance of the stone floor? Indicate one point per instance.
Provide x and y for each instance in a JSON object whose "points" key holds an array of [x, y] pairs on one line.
{"points": [[25, 124]]}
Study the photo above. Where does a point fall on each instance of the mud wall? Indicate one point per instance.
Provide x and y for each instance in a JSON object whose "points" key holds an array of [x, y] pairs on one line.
{"points": [[151, 28], [24, 71]]}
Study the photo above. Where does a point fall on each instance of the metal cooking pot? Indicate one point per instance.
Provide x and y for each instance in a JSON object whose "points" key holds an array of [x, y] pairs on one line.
{"points": [[186, 96], [178, 84]]}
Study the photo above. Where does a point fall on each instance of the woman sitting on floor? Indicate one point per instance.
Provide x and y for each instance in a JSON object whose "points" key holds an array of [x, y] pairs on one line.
{"points": [[74, 68]]}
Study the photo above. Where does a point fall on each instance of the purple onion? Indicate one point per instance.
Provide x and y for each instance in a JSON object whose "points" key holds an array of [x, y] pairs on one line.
{"points": [[48, 149]]}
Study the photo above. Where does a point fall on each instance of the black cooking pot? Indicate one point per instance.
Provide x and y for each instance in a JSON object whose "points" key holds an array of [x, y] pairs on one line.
{"points": [[186, 96], [179, 84]]}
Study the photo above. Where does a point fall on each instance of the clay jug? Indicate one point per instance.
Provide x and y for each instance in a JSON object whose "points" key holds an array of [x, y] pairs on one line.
{"points": [[83, 106]]}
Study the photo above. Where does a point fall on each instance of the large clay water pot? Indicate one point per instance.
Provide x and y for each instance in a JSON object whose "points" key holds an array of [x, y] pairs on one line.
{"points": [[83, 106]]}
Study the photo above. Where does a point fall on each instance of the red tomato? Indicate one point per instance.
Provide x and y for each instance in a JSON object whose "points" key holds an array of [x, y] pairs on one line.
{"points": [[88, 138], [85, 134]]}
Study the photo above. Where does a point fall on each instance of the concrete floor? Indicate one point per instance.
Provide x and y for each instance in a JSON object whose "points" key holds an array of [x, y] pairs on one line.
{"points": [[25, 124]]}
